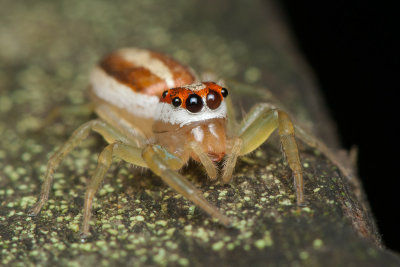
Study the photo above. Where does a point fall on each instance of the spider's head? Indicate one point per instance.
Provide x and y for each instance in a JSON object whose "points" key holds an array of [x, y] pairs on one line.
{"points": [[192, 103], [194, 113]]}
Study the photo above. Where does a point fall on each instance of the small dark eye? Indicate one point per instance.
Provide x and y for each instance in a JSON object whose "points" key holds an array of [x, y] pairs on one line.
{"points": [[224, 92], [176, 101], [213, 100], [164, 94], [194, 103]]}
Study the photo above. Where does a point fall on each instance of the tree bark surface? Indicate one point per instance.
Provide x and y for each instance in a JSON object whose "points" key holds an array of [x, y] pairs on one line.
{"points": [[46, 51]]}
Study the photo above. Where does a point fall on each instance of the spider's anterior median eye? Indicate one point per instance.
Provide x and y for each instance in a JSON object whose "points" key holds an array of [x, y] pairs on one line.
{"points": [[224, 92], [194, 103], [176, 101], [213, 100]]}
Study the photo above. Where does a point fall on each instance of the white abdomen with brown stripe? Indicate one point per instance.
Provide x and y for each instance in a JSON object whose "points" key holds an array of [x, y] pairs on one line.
{"points": [[112, 91], [133, 80]]}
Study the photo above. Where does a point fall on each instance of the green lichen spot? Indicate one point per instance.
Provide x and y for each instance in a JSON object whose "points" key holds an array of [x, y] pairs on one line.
{"points": [[230, 246], [223, 193], [266, 241], [317, 243], [112, 232], [183, 262], [101, 243], [260, 244], [259, 154], [285, 202], [139, 218], [74, 226], [106, 226], [304, 255], [170, 231], [85, 247], [60, 246], [160, 257], [306, 209], [188, 228], [218, 245], [9, 192], [192, 208], [171, 245], [162, 223], [252, 74]]}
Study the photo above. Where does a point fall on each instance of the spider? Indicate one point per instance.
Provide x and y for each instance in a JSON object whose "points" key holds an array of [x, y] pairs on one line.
{"points": [[154, 113]]}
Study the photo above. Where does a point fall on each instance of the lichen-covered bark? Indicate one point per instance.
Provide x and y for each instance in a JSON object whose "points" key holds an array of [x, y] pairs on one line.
{"points": [[46, 51]]}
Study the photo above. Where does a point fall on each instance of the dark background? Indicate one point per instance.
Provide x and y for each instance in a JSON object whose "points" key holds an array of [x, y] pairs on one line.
{"points": [[353, 50]]}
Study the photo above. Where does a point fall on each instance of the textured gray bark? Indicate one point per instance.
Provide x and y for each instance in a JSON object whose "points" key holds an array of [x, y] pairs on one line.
{"points": [[46, 51]]}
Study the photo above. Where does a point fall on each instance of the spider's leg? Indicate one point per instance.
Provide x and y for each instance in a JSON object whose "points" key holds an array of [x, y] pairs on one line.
{"points": [[80, 134], [164, 164], [67, 110], [345, 163], [259, 124], [126, 152], [236, 146], [231, 116], [208, 164]]}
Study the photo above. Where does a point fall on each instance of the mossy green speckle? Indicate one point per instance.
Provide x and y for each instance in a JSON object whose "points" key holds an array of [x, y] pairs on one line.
{"points": [[266, 241], [218, 245], [304, 255], [318, 243]]}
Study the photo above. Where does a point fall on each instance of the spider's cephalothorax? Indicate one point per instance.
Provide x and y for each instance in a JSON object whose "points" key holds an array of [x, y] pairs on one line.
{"points": [[194, 113], [151, 125]]}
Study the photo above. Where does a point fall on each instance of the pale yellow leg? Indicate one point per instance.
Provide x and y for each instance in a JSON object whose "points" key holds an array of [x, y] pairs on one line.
{"points": [[345, 163], [230, 161], [123, 151], [231, 116], [259, 124], [160, 162], [76, 138], [205, 160], [75, 110], [286, 133]]}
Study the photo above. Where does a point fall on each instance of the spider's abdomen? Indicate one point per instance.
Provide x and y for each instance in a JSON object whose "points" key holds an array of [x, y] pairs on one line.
{"points": [[134, 79], [145, 71]]}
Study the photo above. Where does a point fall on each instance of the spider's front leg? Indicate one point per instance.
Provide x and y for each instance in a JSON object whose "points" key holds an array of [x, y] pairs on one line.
{"points": [[256, 128], [126, 152], [165, 165], [76, 138]]}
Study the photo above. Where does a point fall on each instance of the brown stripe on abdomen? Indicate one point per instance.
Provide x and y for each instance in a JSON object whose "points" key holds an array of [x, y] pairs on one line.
{"points": [[145, 71], [139, 79], [182, 75]]}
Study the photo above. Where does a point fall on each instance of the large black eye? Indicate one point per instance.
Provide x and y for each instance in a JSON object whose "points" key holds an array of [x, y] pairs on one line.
{"points": [[176, 101], [224, 92], [194, 103], [213, 100]]}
